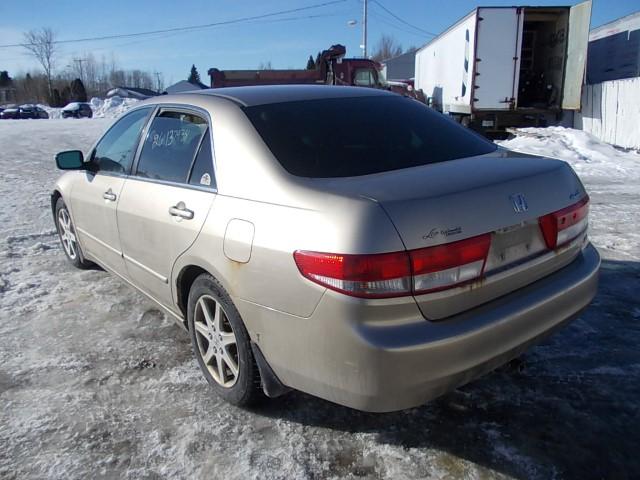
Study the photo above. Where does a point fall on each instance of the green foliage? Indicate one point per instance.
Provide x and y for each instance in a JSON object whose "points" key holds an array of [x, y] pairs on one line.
{"points": [[194, 76], [311, 64], [5, 79], [77, 91]]}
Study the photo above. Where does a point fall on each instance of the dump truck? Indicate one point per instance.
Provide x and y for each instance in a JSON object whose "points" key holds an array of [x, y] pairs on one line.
{"points": [[331, 69], [502, 67]]}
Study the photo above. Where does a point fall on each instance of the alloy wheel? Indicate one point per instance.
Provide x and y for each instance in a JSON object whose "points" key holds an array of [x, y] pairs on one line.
{"points": [[67, 234], [216, 340]]}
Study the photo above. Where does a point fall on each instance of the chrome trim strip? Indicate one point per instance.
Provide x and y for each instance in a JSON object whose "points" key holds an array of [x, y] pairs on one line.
{"points": [[146, 269], [172, 184], [97, 240]]}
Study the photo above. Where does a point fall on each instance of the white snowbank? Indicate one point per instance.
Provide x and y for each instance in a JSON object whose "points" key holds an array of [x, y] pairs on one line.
{"points": [[610, 175], [111, 107], [586, 154], [102, 108]]}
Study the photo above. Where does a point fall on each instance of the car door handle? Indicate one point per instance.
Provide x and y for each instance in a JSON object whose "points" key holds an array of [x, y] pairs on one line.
{"points": [[181, 210], [109, 195]]}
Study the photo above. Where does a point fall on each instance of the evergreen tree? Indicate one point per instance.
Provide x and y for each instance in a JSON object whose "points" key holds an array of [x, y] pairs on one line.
{"points": [[54, 100], [78, 92], [311, 64], [194, 76], [65, 96], [5, 79]]}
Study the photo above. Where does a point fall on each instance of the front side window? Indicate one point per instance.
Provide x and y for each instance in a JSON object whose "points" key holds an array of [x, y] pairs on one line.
{"points": [[115, 152], [170, 146]]}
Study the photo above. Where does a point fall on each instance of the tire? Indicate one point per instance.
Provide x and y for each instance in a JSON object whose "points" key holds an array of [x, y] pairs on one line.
{"points": [[68, 237], [221, 343]]}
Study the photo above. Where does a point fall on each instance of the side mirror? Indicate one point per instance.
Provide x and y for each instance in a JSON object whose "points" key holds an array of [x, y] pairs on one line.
{"points": [[70, 160]]}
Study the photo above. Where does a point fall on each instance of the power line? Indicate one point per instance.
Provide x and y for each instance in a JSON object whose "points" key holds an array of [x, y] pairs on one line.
{"points": [[387, 21], [250, 22], [190, 27], [403, 21]]}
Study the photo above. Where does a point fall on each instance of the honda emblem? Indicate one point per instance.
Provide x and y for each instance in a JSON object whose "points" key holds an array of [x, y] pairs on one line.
{"points": [[519, 202]]}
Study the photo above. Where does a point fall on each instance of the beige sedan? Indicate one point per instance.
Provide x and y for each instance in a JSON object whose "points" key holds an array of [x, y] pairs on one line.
{"points": [[349, 243]]}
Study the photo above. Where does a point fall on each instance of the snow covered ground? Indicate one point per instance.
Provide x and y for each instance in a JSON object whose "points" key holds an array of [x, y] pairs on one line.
{"points": [[95, 382]]}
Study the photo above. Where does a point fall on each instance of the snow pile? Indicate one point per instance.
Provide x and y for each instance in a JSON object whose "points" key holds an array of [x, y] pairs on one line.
{"points": [[111, 107], [586, 154], [53, 112], [610, 175]]}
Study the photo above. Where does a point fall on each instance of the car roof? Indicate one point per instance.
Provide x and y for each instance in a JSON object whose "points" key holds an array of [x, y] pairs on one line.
{"points": [[265, 94]]}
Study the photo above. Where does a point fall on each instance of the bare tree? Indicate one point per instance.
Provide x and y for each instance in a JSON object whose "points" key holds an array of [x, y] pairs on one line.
{"points": [[386, 48], [265, 65], [41, 44]]}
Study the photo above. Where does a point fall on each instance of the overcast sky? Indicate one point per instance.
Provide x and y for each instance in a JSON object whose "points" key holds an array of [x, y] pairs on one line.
{"points": [[286, 40]]}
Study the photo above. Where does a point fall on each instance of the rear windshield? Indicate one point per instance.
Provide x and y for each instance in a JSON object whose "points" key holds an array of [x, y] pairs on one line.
{"points": [[344, 137]]}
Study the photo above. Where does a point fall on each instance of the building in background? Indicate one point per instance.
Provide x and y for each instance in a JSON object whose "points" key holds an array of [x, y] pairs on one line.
{"points": [[184, 86], [402, 67], [7, 94], [614, 50], [611, 99], [131, 92]]}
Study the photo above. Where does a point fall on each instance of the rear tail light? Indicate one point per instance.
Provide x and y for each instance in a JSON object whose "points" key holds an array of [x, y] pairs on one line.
{"points": [[443, 266], [559, 228], [368, 276], [400, 273]]}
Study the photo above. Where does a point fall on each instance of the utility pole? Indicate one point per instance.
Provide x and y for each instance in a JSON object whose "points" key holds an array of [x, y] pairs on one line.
{"points": [[364, 29], [79, 62], [159, 82]]}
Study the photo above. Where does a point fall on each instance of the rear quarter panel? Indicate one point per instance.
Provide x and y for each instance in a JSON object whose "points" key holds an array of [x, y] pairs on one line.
{"points": [[271, 278]]}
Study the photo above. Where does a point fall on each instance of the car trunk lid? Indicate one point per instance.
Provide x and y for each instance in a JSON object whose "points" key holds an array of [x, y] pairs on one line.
{"points": [[502, 194]]}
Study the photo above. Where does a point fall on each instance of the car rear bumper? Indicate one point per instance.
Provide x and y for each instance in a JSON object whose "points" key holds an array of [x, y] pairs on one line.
{"points": [[387, 357]]}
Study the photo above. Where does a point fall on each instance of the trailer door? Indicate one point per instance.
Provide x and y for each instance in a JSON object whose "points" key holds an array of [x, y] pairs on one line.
{"points": [[499, 40], [578, 41]]}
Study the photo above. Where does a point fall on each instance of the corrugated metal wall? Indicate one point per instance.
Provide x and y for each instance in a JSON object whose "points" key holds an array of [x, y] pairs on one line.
{"points": [[611, 112]]}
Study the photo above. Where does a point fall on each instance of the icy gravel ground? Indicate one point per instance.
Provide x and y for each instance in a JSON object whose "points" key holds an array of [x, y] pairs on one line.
{"points": [[95, 382]]}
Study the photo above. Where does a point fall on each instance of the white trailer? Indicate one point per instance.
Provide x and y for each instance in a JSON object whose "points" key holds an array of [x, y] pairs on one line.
{"points": [[502, 67]]}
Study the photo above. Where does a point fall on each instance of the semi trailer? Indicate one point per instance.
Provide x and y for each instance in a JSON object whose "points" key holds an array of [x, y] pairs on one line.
{"points": [[502, 67]]}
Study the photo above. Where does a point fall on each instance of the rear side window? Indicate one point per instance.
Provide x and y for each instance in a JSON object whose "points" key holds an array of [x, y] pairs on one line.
{"points": [[343, 137], [170, 146], [202, 170]]}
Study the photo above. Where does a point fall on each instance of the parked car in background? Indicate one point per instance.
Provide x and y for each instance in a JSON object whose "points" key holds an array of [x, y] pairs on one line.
{"points": [[24, 112], [10, 113], [77, 110], [347, 242]]}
